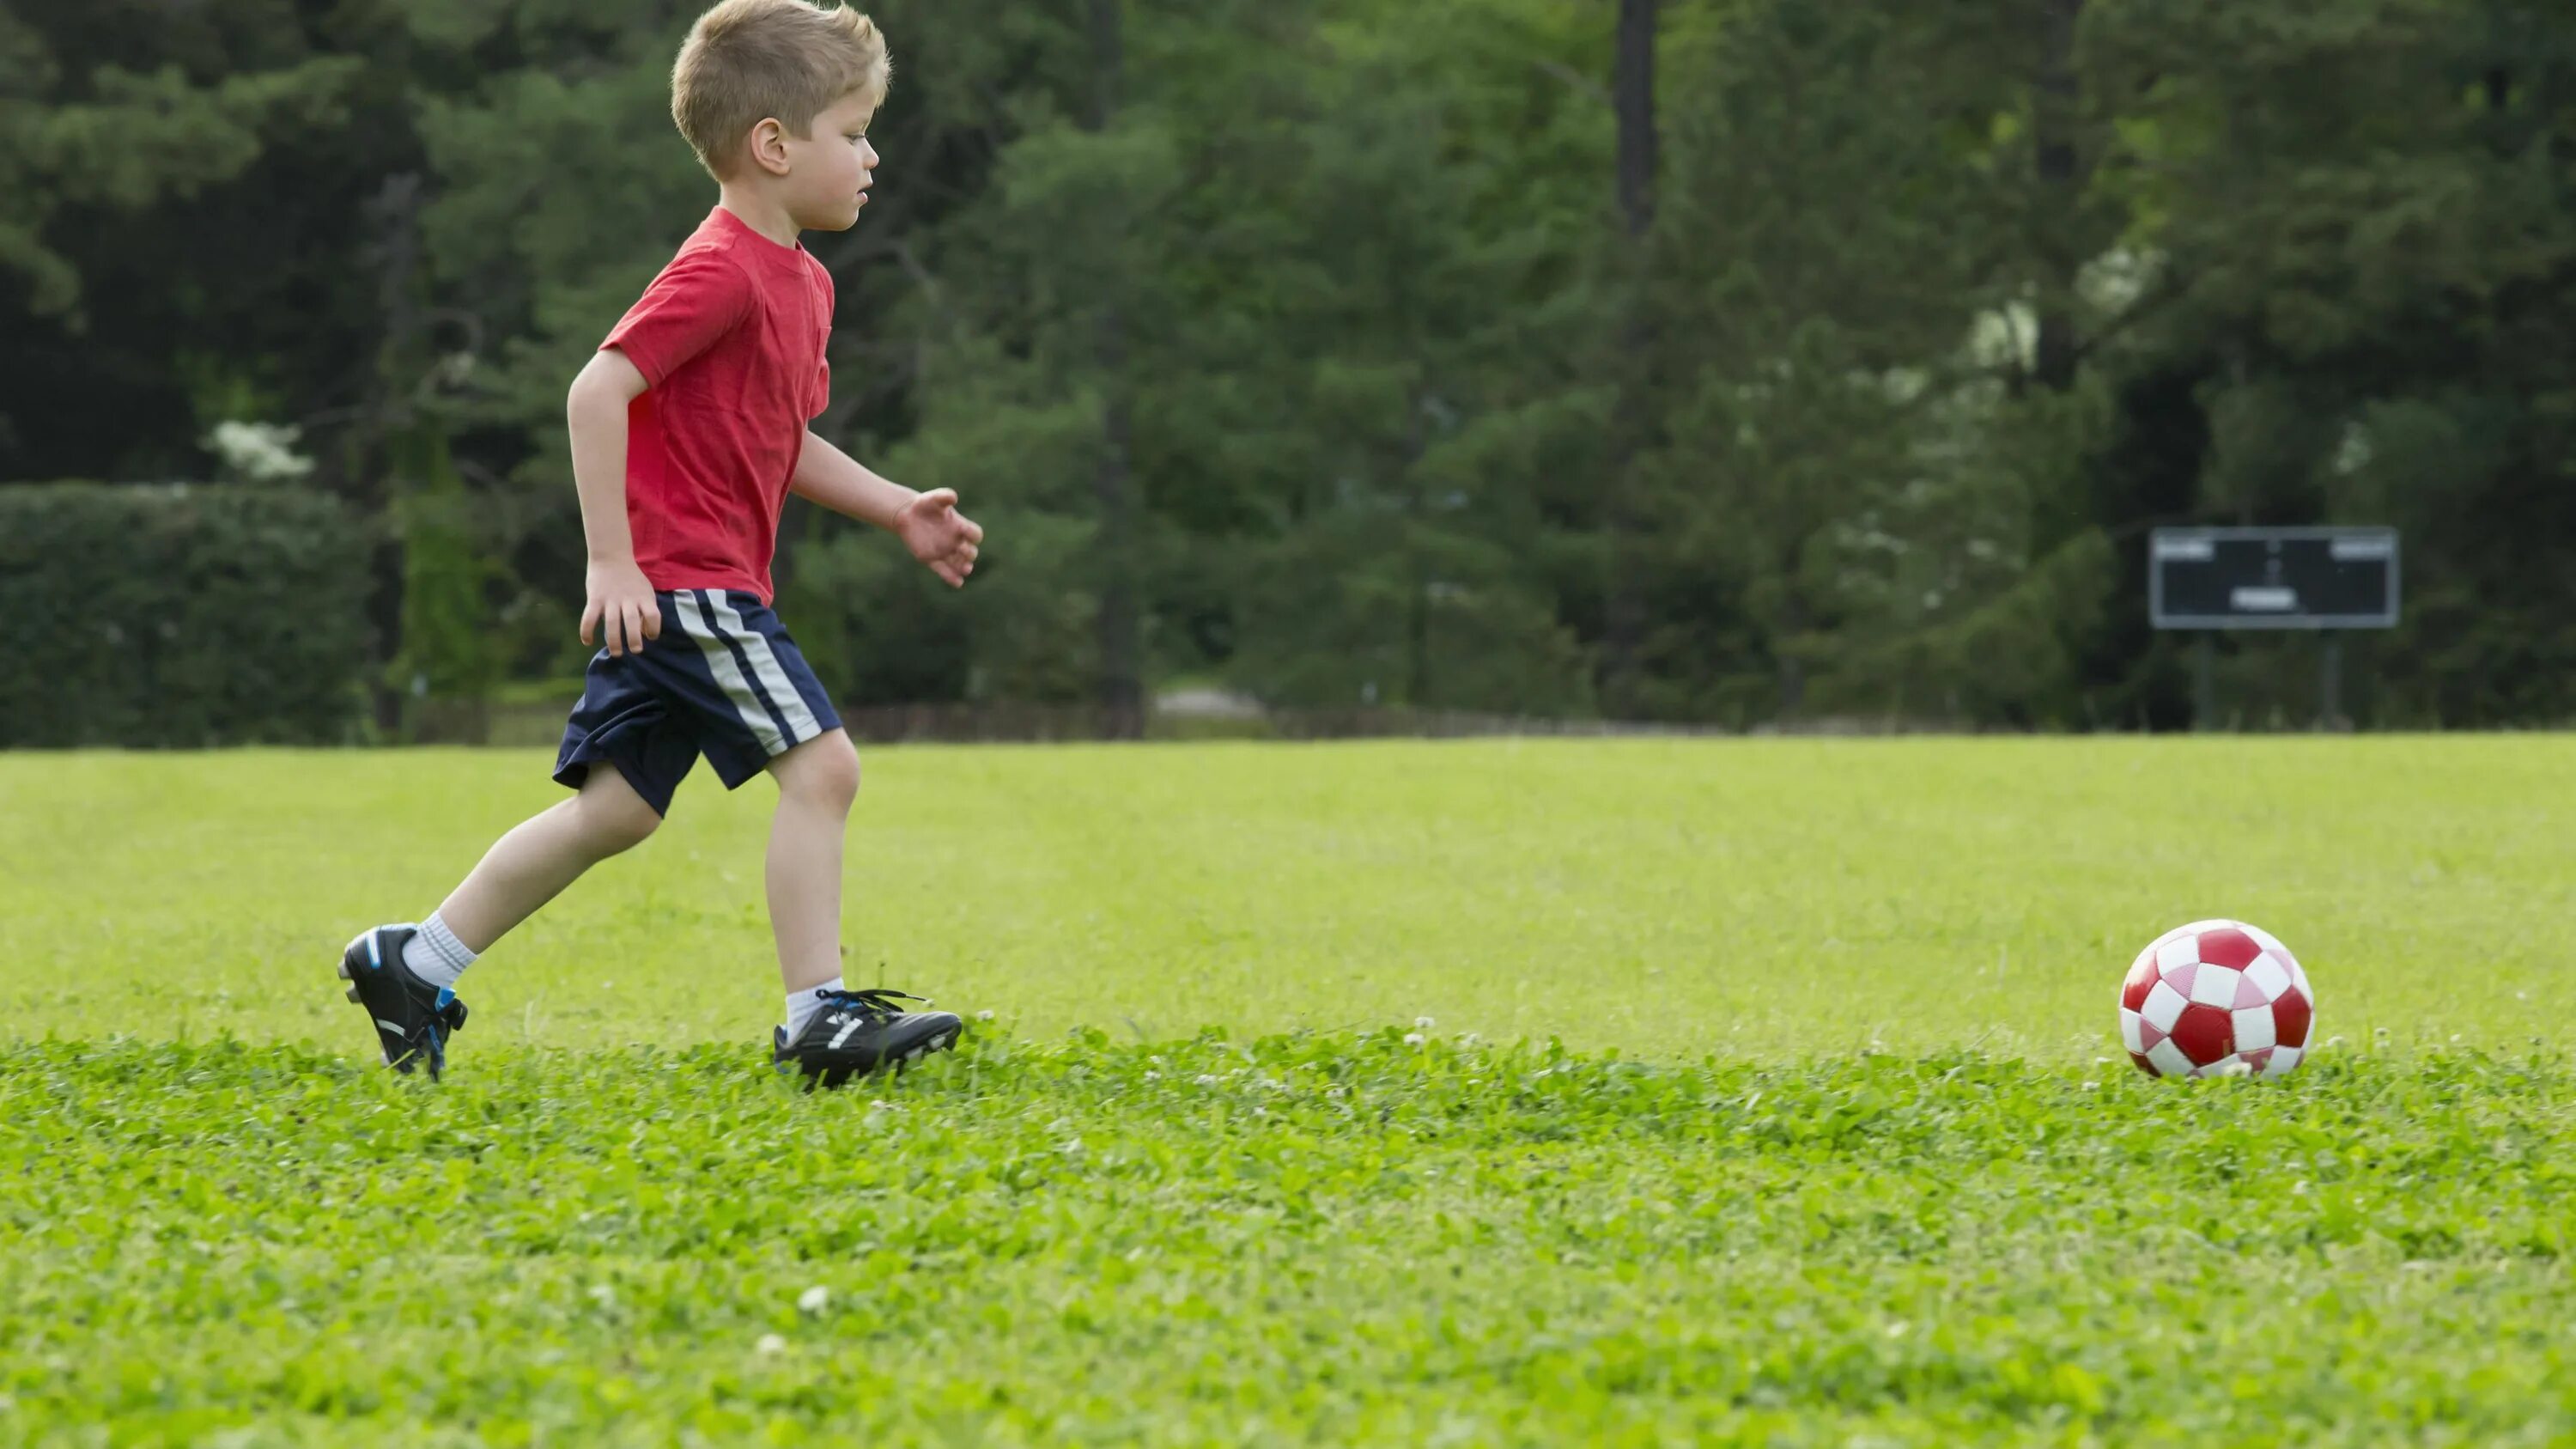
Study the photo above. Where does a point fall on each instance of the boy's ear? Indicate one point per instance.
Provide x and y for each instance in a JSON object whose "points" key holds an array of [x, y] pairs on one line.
{"points": [[767, 144]]}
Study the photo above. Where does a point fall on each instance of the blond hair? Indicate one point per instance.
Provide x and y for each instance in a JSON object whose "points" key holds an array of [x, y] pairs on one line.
{"points": [[748, 61]]}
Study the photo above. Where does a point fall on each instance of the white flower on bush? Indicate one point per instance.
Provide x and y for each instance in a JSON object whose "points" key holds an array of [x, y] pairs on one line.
{"points": [[771, 1343], [814, 1299], [1413, 1038], [259, 452]]}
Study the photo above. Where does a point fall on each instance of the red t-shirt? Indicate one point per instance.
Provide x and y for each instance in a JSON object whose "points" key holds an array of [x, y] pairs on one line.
{"points": [[730, 341]]}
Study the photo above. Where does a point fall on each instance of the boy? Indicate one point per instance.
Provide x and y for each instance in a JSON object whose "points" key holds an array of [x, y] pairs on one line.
{"points": [[689, 426]]}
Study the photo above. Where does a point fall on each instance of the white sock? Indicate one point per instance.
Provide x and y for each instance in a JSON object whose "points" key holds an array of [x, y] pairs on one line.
{"points": [[801, 1005], [435, 955]]}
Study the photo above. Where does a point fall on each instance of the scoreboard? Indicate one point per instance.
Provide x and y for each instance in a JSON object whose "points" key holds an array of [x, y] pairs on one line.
{"points": [[2273, 578]]}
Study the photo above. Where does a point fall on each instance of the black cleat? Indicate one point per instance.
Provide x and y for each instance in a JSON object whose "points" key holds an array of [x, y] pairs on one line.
{"points": [[413, 1018], [858, 1032]]}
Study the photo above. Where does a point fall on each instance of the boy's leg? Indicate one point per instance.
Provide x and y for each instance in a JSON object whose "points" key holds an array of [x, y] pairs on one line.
{"points": [[817, 781], [832, 1033], [545, 853], [404, 976]]}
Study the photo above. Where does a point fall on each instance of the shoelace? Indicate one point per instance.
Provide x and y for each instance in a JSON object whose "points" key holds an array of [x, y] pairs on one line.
{"points": [[873, 1002]]}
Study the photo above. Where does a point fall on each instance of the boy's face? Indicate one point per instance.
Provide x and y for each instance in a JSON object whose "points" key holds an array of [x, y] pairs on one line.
{"points": [[828, 175]]}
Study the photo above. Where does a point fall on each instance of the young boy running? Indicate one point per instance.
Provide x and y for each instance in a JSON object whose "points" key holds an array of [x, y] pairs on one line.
{"points": [[689, 427]]}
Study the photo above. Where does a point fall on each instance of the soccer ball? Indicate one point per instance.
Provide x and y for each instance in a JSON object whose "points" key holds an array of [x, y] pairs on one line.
{"points": [[2216, 999]]}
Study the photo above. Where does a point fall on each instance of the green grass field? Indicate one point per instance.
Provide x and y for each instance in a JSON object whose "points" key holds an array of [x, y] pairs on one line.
{"points": [[1837, 1146]]}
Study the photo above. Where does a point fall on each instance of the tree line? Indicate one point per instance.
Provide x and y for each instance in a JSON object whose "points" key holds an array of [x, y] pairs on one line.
{"points": [[1732, 361]]}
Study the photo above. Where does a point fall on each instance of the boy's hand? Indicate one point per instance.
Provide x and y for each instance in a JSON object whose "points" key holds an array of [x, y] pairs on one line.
{"points": [[622, 604], [939, 535]]}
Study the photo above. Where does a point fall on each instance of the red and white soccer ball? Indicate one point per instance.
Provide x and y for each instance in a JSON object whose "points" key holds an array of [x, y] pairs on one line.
{"points": [[2216, 999]]}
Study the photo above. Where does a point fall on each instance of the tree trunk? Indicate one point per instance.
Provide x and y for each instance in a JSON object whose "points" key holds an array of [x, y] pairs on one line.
{"points": [[376, 446], [1623, 605], [1633, 96], [1793, 669], [1417, 622], [1122, 692], [2059, 169]]}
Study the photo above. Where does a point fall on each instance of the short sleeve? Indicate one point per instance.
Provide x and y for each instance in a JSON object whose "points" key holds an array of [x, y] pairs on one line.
{"points": [[699, 298]]}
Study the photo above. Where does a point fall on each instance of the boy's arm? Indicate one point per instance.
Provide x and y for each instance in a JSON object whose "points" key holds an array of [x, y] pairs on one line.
{"points": [[928, 523], [620, 600]]}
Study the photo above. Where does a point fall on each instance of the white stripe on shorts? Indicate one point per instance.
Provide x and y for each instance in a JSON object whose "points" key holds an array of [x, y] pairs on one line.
{"points": [[728, 673], [792, 711]]}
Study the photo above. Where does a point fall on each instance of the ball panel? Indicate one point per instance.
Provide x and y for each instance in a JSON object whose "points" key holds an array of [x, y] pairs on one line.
{"points": [[2255, 1028], [2291, 1017], [2163, 1006], [2173, 953], [2214, 986], [2229, 947], [2141, 978], [2169, 1060], [2204, 1033], [2267, 976], [2131, 1031], [2283, 1060], [2144, 1065], [2181, 977]]}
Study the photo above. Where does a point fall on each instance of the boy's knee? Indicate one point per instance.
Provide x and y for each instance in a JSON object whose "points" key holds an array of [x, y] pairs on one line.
{"points": [[822, 772], [615, 820]]}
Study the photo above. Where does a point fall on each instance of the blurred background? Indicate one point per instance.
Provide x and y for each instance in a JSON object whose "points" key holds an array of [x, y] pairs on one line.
{"points": [[1317, 365]]}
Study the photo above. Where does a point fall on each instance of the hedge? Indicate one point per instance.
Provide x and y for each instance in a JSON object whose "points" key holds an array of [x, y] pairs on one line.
{"points": [[179, 615]]}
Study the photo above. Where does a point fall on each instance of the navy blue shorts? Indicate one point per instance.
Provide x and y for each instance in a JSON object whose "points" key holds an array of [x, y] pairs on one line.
{"points": [[723, 681]]}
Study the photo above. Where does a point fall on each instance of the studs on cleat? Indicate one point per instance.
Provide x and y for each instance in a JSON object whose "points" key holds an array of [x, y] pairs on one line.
{"points": [[352, 993]]}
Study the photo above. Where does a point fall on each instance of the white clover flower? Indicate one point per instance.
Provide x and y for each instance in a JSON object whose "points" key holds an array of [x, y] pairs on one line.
{"points": [[1206, 1081], [814, 1299], [1153, 1076], [770, 1343], [983, 1016], [602, 1294], [1423, 1022], [1413, 1038]]}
